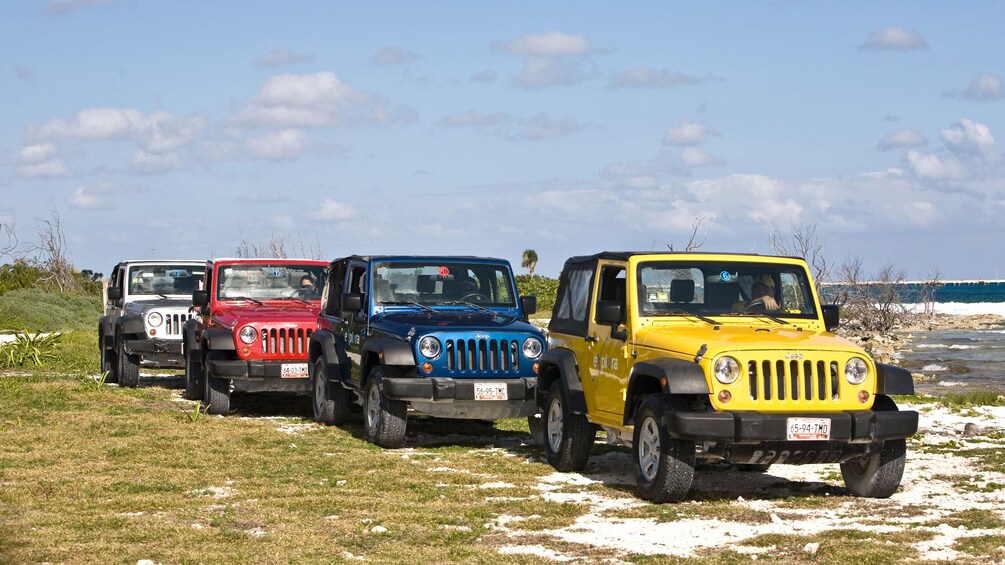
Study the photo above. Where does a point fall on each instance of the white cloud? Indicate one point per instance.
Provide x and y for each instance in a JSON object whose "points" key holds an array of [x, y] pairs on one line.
{"points": [[392, 55], [331, 210], [50, 168], [90, 197], [646, 77], [64, 6], [317, 100], [147, 162], [472, 118], [968, 137], [33, 154], [155, 132], [551, 44], [278, 145], [968, 153], [688, 132], [931, 166], [985, 86], [901, 138], [893, 39], [542, 127], [282, 58], [694, 157], [541, 72]]}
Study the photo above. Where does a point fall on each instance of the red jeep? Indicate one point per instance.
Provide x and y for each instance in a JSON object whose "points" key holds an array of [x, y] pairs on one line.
{"points": [[257, 316]]}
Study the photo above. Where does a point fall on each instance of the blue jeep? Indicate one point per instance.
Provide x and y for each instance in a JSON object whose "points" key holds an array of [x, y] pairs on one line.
{"points": [[438, 336]]}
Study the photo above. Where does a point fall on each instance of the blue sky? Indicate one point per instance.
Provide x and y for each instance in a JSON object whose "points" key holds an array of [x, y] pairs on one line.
{"points": [[179, 129]]}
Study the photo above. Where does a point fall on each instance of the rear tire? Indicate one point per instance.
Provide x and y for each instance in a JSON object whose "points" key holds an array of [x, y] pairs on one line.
{"points": [[216, 391], [385, 419], [664, 466], [129, 369], [568, 438], [878, 475], [331, 399]]}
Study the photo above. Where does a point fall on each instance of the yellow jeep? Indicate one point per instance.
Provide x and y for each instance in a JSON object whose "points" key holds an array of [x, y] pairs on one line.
{"points": [[686, 357]]}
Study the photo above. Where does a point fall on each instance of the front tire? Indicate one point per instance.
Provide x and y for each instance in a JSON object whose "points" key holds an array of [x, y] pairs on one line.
{"points": [[193, 378], [216, 391], [385, 419], [878, 475], [129, 369], [331, 400], [567, 437], [664, 466]]}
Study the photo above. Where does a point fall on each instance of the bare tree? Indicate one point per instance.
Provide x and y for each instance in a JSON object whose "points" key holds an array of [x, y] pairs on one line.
{"points": [[803, 242], [281, 247], [873, 305], [8, 235], [693, 244], [51, 253], [928, 289]]}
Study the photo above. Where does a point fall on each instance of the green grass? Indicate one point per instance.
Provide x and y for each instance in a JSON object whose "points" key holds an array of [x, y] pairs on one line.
{"points": [[36, 310], [956, 401]]}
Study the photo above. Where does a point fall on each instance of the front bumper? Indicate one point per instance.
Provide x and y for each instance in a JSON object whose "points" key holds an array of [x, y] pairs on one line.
{"points": [[148, 346], [455, 398], [254, 376], [865, 426]]}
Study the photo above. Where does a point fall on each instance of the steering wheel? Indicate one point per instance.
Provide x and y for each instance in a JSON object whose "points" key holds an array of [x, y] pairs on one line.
{"points": [[756, 305], [475, 297]]}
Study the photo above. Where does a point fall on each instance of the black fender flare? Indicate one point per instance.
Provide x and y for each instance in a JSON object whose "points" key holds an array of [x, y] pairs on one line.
{"points": [[393, 352], [673, 377], [891, 379], [564, 361], [332, 348], [220, 339], [130, 324], [190, 341]]}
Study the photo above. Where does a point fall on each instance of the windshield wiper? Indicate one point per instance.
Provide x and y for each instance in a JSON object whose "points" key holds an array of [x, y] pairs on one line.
{"points": [[408, 303], [259, 302], [755, 315], [686, 313], [292, 298], [473, 305]]}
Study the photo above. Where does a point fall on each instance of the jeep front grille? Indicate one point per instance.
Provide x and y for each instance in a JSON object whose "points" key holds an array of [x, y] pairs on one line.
{"points": [[285, 342], [780, 381], [496, 355], [173, 324]]}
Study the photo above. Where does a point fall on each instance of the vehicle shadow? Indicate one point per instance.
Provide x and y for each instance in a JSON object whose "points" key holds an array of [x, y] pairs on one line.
{"points": [[162, 379], [270, 405]]}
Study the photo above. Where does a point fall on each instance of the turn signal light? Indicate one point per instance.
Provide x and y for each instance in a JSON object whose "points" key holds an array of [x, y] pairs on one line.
{"points": [[245, 351], [427, 367], [536, 367], [863, 396], [725, 396]]}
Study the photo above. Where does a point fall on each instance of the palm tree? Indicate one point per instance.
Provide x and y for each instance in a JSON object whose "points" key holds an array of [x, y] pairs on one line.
{"points": [[529, 260]]}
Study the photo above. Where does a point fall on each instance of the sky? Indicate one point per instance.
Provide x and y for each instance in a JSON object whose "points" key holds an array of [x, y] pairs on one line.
{"points": [[183, 129]]}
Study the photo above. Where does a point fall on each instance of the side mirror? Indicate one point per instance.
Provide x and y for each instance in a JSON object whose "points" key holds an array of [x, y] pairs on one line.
{"points": [[832, 316], [115, 293], [200, 297], [352, 302], [610, 312], [528, 304]]}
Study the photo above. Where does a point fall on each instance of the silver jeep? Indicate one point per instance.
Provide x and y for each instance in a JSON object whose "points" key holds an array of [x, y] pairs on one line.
{"points": [[146, 306]]}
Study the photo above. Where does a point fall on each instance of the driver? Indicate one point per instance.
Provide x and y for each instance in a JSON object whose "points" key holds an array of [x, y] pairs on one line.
{"points": [[762, 296]]}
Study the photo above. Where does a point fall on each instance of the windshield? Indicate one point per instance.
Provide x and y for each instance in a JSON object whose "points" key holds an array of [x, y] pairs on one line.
{"points": [[159, 280], [269, 282], [724, 288], [446, 282]]}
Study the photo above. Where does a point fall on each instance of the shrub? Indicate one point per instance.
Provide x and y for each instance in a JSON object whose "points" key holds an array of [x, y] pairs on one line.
{"points": [[29, 349], [35, 310], [545, 289]]}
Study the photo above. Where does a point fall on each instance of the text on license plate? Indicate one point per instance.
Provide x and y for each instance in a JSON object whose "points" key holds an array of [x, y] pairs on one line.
{"points": [[293, 371], [490, 391], [812, 429]]}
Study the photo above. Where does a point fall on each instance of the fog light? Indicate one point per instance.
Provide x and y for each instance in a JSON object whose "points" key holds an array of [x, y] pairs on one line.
{"points": [[536, 367], [724, 396], [427, 367], [863, 396]]}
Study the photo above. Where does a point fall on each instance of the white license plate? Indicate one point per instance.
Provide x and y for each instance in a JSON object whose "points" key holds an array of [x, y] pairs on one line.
{"points": [[293, 370], [808, 429], [490, 391]]}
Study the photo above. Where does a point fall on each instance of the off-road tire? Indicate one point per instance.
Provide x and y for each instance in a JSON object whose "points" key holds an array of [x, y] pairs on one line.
{"points": [[384, 419], [664, 466], [568, 438], [330, 400], [108, 360], [878, 475], [129, 369], [216, 391], [193, 378]]}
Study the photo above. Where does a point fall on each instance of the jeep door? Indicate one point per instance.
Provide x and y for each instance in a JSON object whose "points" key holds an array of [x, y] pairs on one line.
{"points": [[608, 366], [356, 322]]}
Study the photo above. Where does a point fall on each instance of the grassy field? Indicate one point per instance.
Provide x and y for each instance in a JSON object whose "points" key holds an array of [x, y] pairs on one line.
{"points": [[93, 473]]}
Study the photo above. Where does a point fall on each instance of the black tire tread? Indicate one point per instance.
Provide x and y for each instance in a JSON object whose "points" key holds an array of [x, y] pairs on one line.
{"points": [[578, 435]]}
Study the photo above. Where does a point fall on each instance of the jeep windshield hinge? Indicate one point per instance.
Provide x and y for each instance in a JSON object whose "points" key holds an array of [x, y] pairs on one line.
{"points": [[701, 352]]}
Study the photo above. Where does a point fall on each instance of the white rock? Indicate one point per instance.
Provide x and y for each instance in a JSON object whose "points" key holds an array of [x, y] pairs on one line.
{"points": [[378, 530], [811, 548]]}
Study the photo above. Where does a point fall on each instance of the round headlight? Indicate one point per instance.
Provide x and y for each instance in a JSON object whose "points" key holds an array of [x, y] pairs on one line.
{"points": [[429, 347], [248, 334], [855, 371], [532, 348], [154, 319], [726, 370]]}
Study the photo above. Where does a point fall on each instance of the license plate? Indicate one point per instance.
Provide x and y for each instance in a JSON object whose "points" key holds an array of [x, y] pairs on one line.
{"points": [[293, 370], [490, 391], [809, 429]]}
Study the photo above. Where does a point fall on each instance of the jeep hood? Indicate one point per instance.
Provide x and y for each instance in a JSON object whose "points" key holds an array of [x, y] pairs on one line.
{"points": [[143, 306], [453, 320], [689, 339], [269, 313]]}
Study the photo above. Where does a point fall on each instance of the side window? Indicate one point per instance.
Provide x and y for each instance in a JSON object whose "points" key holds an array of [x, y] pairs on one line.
{"points": [[335, 286], [612, 286], [357, 279], [573, 301]]}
